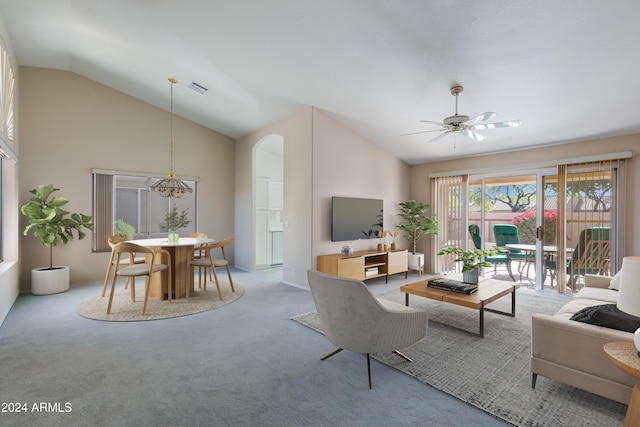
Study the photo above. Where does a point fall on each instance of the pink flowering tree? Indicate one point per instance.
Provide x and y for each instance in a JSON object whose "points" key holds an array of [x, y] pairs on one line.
{"points": [[526, 223]]}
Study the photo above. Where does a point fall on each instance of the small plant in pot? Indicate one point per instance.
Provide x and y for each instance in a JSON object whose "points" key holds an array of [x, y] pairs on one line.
{"points": [[173, 220], [52, 225], [472, 261], [416, 223]]}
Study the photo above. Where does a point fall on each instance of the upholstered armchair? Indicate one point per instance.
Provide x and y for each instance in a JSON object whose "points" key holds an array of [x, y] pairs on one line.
{"points": [[352, 318]]}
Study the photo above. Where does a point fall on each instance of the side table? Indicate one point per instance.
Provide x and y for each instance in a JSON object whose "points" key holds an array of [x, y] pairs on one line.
{"points": [[624, 355]]}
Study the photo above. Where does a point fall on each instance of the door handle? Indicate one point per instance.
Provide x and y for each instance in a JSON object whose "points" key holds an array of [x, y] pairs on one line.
{"points": [[539, 232]]}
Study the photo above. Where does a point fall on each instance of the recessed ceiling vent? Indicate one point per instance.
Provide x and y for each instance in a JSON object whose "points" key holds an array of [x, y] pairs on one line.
{"points": [[198, 88]]}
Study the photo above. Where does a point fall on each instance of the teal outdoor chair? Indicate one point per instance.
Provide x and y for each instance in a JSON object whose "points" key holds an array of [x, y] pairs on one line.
{"points": [[500, 258], [506, 234]]}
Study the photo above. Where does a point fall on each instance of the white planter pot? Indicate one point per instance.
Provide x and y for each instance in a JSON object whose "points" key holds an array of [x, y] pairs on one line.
{"points": [[416, 261], [46, 282]]}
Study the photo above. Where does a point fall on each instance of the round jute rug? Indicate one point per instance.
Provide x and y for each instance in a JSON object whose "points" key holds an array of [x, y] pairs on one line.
{"points": [[125, 310]]}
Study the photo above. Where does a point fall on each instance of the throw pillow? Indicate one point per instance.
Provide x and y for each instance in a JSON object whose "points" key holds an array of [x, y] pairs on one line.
{"points": [[609, 316], [615, 281]]}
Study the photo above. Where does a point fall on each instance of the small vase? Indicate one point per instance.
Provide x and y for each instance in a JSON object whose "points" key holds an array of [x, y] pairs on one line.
{"points": [[394, 246], [173, 236], [471, 277], [381, 247]]}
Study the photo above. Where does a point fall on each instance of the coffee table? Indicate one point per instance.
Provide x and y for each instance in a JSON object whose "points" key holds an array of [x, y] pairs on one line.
{"points": [[488, 291]]}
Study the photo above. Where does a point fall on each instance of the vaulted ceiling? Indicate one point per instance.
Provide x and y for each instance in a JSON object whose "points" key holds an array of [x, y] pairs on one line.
{"points": [[570, 70]]}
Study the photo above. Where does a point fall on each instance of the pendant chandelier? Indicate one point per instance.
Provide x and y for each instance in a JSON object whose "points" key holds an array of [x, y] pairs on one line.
{"points": [[171, 187]]}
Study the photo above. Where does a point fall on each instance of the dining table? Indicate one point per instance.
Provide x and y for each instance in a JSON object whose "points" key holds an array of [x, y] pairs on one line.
{"points": [[530, 249], [181, 253]]}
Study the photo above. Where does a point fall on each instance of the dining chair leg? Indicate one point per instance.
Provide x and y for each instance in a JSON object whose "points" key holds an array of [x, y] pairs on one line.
{"points": [[113, 287], [146, 294], [106, 277], [170, 296], [215, 275], [230, 279]]}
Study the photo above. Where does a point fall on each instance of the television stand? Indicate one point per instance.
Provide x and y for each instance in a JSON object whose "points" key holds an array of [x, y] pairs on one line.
{"points": [[364, 265]]}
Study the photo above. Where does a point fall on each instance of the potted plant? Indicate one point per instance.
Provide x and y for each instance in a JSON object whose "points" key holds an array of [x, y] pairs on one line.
{"points": [[472, 260], [416, 223], [52, 225], [173, 220], [124, 229]]}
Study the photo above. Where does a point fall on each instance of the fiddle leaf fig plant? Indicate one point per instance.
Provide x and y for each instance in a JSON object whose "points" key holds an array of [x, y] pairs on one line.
{"points": [[416, 222], [50, 222]]}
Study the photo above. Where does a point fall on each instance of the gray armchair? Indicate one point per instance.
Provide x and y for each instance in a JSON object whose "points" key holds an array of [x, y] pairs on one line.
{"points": [[352, 318]]}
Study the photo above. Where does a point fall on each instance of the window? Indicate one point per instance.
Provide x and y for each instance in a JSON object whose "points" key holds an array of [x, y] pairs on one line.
{"points": [[125, 197], [7, 85]]}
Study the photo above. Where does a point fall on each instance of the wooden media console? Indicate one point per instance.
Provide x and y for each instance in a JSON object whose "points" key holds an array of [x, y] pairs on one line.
{"points": [[362, 265]]}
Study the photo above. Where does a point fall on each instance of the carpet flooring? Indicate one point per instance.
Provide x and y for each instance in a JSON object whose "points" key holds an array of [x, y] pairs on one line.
{"points": [[493, 373], [125, 310]]}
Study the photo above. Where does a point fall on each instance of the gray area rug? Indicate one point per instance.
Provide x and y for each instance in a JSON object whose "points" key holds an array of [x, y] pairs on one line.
{"points": [[492, 373], [124, 310]]}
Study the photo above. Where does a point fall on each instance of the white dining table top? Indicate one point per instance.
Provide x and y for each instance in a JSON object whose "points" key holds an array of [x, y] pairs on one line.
{"points": [[164, 242]]}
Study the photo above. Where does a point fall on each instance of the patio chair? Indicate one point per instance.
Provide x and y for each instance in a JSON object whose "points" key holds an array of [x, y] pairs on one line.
{"points": [[506, 234], [590, 256], [500, 258]]}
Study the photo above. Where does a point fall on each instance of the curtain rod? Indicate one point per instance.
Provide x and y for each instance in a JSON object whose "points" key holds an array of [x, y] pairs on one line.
{"points": [[550, 163]]}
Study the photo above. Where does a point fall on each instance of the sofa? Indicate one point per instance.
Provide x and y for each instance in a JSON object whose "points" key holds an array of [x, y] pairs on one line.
{"points": [[572, 352]]}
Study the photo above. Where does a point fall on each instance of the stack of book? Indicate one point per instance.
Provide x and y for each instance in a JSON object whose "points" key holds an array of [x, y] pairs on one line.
{"points": [[372, 271]]}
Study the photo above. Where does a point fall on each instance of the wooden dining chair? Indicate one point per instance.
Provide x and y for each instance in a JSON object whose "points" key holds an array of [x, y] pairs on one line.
{"points": [[145, 269], [209, 262], [132, 259], [199, 252]]}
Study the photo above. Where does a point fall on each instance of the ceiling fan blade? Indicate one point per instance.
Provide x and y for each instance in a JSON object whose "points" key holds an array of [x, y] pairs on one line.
{"points": [[422, 131], [472, 135], [439, 137], [433, 123], [507, 124], [480, 118]]}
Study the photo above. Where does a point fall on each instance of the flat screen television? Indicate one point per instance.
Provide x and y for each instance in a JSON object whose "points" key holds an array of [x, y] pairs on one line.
{"points": [[354, 218]]}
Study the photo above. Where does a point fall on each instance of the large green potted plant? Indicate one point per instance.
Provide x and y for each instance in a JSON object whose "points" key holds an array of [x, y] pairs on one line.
{"points": [[416, 222], [472, 261], [52, 225], [173, 220]]}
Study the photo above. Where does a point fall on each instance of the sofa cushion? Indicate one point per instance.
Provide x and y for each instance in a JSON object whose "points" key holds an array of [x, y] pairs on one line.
{"points": [[615, 282], [603, 295], [609, 316]]}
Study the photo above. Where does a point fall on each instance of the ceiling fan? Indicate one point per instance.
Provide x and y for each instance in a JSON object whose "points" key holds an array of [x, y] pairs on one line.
{"points": [[459, 123]]}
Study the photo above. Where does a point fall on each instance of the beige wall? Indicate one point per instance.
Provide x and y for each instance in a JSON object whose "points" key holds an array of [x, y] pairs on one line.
{"points": [[296, 132], [421, 190], [322, 158], [346, 164], [70, 125]]}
